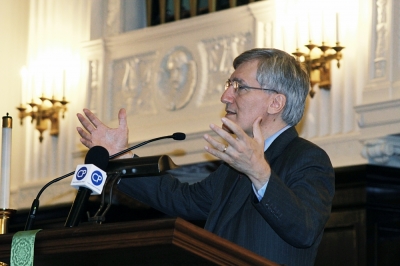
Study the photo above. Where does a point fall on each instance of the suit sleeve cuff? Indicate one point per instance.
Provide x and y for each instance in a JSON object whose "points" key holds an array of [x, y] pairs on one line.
{"points": [[260, 193]]}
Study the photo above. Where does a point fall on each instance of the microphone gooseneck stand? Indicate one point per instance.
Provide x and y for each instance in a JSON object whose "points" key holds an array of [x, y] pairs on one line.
{"points": [[35, 204]]}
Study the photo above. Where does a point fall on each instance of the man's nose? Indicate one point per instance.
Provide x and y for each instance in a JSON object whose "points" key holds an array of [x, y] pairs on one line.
{"points": [[228, 96]]}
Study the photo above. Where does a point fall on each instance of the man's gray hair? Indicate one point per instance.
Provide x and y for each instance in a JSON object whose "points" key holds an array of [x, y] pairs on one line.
{"points": [[280, 71]]}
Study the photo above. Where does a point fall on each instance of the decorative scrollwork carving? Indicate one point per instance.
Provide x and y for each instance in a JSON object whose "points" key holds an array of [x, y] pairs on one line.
{"points": [[381, 150]]}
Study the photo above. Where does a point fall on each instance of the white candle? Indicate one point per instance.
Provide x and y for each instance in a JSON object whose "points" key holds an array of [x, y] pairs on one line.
{"points": [[337, 27], [5, 162], [53, 86], [323, 28], [32, 83], [64, 84], [297, 33], [309, 29], [22, 91]]}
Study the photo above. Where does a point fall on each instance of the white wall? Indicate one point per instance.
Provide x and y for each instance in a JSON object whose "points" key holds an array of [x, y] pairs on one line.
{"points": [[345, 121], [13, 49]]}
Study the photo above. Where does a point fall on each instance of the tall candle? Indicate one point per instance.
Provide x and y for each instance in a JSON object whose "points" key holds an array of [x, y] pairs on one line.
{"points": [[5, 162], [309, 28], [64, 81], [323, 28], [22, 90], [297, 33], [337, 27]]}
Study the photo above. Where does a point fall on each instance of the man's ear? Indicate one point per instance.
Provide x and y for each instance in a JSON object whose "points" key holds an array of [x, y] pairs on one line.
{"points": [[277, 104]]}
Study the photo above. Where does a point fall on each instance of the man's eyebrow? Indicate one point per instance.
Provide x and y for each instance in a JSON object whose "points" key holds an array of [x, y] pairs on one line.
{"points": [[241, 81]]}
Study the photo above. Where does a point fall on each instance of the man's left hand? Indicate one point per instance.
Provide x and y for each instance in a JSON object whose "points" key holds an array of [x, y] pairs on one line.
{"points": [[243, 153]]}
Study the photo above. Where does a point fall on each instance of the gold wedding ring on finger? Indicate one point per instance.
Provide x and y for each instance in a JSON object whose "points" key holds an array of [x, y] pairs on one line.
{"points": [[225, 149]]}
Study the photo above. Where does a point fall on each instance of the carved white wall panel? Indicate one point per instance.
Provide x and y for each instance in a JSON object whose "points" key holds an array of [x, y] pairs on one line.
{"points": [[217, 55], [379, 113], [170, 77], [94, 80], [396, 41], [384, 63], [114, 17], [94, 52], [396, 50], [381, 40], [132, 85]]}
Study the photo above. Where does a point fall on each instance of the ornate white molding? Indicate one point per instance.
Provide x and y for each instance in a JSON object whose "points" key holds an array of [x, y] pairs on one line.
{"points": [[379, 119], [385, 151], [380, 128]]}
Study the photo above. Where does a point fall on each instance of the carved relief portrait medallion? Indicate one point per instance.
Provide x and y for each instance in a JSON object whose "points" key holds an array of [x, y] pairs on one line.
{"points": [[177, 79]]}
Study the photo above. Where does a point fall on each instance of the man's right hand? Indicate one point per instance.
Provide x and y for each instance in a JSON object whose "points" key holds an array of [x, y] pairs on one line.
{"points": [[95, 133]]}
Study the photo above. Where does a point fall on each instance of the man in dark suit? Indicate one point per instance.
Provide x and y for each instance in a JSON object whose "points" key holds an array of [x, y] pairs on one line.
{"points": [[274, 191]]}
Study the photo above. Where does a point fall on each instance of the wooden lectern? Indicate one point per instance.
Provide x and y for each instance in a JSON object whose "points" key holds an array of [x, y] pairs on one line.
{"points": [[146, 242]]}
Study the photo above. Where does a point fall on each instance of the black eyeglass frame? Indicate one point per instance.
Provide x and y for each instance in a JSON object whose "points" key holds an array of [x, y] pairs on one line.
{"points": [[238, 87]]}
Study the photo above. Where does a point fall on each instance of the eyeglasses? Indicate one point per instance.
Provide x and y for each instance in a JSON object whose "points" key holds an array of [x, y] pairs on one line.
{"points": [[240, 87]]}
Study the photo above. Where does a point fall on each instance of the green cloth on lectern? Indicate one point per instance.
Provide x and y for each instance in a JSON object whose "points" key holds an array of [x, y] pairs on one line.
{"points": [[22, 248]]}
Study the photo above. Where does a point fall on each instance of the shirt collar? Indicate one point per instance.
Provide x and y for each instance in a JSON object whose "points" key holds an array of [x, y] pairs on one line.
{"points": [[269, 140]]}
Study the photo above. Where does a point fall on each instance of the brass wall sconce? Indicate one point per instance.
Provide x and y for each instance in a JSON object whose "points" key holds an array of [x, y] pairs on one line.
{"points": [[319, 68], [48, 111]]}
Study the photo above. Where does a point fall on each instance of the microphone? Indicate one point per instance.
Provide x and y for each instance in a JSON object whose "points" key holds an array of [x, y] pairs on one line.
{"points": [[175, 136], [141, 166], [35, 204], [89, 179]]}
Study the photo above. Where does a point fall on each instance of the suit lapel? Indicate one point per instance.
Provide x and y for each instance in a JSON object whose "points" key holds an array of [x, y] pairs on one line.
{"points": [[280, 144], [238, 186], [234, 201], [215, 213], [230, 202]]}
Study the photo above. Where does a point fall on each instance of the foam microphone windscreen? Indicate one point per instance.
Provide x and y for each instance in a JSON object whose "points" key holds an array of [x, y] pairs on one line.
{"points": [[179, 136], [98, 156]]}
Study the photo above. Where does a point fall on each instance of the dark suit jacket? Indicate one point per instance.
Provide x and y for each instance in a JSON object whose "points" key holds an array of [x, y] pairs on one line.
{"points": [[286, 226]]}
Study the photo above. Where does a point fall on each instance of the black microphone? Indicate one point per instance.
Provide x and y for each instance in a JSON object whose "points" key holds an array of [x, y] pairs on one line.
{"points": [[35, 204], [141, 166], [175, 136], [84, 177]]}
